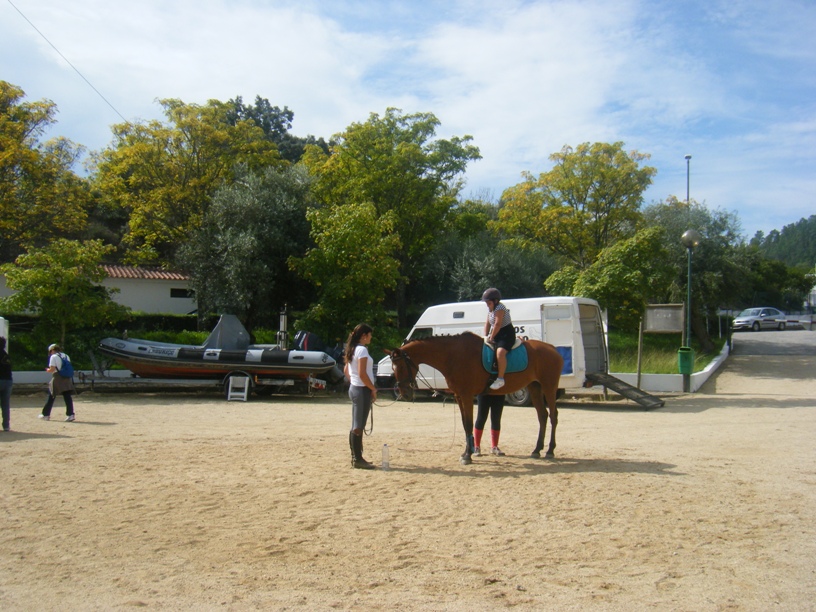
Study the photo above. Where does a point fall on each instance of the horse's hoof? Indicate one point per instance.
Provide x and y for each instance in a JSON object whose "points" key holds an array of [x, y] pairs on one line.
{"points": [[549, 456], [535, 455], [465, 460]]}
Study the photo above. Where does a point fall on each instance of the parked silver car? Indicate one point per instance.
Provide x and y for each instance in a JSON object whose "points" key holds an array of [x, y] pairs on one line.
{"points": [[760, 318]]}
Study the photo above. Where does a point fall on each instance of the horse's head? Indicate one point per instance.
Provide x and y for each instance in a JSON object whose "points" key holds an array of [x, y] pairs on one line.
{"points": [[405, 371]]}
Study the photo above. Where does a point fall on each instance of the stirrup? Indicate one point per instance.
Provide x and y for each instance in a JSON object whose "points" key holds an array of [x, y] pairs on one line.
{"points": [[497, 384]]}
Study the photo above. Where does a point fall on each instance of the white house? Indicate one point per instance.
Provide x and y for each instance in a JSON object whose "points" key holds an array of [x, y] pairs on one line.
{"points": [[150, 290]]}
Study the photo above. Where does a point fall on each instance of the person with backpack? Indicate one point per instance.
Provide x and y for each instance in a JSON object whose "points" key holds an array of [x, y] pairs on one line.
{"points": [[61, 383]]}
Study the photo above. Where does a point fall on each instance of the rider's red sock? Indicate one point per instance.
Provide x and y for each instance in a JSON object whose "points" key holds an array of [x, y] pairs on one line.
{"points": [[477, 437], [494, 436]]}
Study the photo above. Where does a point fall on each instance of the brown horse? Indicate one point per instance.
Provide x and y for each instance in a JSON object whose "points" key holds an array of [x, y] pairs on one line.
{"points": [[459, 359]]}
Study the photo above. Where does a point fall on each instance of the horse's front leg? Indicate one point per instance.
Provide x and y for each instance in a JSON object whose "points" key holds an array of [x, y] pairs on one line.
{"points": [[466, 410]]}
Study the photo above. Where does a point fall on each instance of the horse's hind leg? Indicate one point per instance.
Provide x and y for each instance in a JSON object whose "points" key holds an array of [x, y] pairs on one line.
{"points": [[538, 401], [551, 396]]}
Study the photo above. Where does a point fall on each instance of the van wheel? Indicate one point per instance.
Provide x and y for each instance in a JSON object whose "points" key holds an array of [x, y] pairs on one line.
{"points": [[755, 326], [781, 327], [519, 398]]}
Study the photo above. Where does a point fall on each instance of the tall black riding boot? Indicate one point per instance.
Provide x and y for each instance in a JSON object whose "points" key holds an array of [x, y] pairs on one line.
{"points": [[351, 446], [357, 449]]}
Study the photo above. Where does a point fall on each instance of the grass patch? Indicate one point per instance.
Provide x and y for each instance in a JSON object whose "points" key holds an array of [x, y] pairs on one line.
{"points": [[659, 353]]}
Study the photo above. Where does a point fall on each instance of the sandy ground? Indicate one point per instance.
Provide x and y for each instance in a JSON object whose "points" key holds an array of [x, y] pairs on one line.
{"points": [[186, 501]]}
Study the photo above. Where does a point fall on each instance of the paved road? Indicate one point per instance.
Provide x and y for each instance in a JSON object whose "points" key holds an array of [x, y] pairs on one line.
{"points": [[768, 363], [791, 342]]}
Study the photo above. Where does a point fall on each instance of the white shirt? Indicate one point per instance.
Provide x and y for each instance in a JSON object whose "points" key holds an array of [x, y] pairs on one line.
{"points": [[360, 352], [55, 361]]}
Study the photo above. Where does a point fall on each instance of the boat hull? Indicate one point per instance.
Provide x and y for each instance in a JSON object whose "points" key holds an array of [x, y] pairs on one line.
{"points": [[160, 360]]}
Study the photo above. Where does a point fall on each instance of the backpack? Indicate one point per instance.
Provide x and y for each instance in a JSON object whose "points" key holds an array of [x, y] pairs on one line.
{"points": [[67, 369]]}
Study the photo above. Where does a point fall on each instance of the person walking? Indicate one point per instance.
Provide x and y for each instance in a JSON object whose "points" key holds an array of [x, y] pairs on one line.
{"points": [[59, 384], [359, 370], [494, 405], [500, 331], [5, 385]]}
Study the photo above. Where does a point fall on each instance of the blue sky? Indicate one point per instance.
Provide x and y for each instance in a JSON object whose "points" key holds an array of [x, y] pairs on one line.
{"points": [[731, 82]]}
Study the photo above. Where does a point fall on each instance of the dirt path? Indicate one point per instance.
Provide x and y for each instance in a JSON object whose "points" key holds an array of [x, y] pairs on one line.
{"points": [[189, 502]]}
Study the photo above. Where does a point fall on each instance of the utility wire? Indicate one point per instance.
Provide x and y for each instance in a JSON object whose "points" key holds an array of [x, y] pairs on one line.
{"points": [[69, 62]]}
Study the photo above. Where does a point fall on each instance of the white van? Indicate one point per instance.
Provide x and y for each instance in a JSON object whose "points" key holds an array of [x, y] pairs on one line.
{"points": [[575, 326]]}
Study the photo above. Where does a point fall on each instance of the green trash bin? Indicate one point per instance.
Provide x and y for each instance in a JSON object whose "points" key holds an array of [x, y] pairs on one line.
{"points": [[685, 360]]}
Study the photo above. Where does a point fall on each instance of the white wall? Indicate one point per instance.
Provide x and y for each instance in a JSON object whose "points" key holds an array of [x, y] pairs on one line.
{"points": [[153, 296], [145, 295]]}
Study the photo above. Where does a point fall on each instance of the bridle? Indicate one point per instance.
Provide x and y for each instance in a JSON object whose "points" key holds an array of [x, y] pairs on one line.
{"points": [[400, 355]]}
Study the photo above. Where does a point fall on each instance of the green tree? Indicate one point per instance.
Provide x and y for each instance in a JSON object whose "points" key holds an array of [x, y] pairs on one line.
{"points": [[469, 257], [40, 196], [627, 276], [719, 263], [795, 244], [276, 124], [61, 283], [164, 174], [238, 258], [587, 202], [394, 163], [352, 266]]}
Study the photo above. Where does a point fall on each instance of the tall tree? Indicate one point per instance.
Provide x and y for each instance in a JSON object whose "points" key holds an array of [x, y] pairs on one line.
{"points": [[164, 174], [469, 257], [794, 245], [352, 265], [719, 265], [276, 124], [587, 202], [62, 283], [41, 198], [238, 258], [627, 276], [394, 163]]}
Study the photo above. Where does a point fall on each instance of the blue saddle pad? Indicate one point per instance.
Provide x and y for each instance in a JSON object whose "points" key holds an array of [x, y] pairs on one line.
{"points": [[516, 359]]}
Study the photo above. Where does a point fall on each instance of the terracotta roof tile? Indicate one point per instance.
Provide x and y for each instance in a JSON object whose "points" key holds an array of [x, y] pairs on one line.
{"points": [[153, 273]]}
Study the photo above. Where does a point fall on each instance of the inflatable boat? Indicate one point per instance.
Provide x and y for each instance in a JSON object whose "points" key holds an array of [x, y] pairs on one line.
{"points": [[226, 351]]}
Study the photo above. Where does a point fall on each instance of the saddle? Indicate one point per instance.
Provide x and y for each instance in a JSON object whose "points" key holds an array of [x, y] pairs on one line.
{"points": [[516, 357]]}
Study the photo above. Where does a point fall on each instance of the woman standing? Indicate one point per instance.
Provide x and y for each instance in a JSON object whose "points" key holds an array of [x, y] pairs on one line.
{"points": [[5, 385], [499, 330], [359, 370]]}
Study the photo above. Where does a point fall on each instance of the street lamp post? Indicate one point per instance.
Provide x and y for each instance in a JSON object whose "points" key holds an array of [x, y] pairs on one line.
{"points": [[690, 239], [688, 175]]}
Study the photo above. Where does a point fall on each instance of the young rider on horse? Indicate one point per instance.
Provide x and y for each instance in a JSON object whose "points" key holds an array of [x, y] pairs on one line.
{"points": [[499, 330]]}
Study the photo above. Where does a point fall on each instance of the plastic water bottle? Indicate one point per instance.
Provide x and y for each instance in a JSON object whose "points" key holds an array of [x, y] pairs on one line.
{"points": [[386, 458]]}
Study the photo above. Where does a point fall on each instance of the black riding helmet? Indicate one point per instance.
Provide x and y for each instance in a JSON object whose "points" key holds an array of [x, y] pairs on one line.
{"points": [[491, 294]]}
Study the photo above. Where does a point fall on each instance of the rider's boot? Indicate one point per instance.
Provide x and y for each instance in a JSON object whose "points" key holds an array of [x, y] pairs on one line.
{"points": [[357, 460]]}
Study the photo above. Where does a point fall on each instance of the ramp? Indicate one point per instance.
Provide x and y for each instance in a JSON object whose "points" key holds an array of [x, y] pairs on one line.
{"points": [[626, 390]]}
